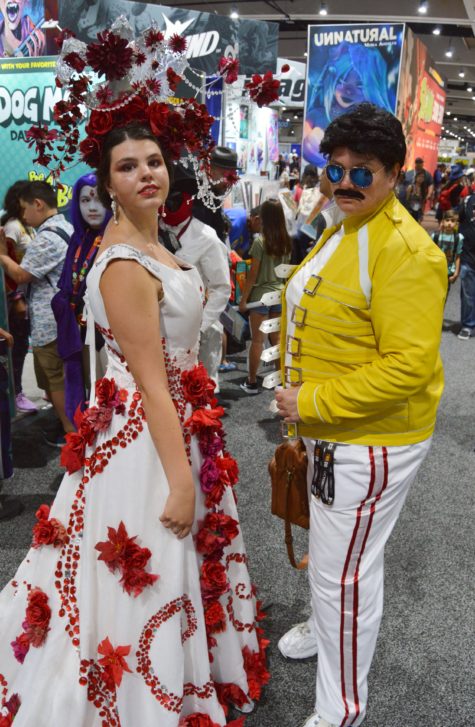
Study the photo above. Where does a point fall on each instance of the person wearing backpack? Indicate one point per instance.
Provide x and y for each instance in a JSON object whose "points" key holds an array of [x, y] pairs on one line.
{"points": [[467, 268], [41, 268], [450, 242], [449, 197]]}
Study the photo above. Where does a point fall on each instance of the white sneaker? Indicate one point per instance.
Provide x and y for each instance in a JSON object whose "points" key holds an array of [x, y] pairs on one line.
{"points": [[298, 643], [315, 721]]}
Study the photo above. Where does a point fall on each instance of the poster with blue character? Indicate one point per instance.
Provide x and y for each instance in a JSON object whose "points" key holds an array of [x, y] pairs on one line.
{"points": [[348, 64]]}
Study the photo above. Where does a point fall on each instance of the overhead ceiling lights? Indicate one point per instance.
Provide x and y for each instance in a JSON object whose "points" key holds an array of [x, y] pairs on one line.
{"points": [[423, 7], [234, 14], [323, 9], [437, 30], [450, 51], [462, 73]]}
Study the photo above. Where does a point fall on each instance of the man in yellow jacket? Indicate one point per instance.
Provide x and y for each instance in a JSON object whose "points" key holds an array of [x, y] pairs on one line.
{"points": [[361, 325]]}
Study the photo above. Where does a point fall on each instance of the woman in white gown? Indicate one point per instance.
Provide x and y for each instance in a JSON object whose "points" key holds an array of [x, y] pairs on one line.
{"points": [[134, 604]]}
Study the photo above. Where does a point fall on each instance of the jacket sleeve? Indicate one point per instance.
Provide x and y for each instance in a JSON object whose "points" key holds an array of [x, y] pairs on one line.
{"points": [[407, 314], [214, 270]]}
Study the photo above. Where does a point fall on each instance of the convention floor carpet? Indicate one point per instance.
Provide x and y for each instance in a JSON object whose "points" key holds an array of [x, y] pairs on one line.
{"points": [[422, 674]]}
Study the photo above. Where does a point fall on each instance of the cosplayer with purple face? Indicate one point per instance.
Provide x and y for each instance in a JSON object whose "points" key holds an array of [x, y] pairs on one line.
{"points": [[89, 218]]}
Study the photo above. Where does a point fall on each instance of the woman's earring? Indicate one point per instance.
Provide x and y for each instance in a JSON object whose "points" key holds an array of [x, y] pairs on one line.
{"points": [[115, 210], [162, 212]]}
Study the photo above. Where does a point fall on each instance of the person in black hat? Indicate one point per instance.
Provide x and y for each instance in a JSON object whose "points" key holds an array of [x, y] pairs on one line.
{"points": [[223, 160]]}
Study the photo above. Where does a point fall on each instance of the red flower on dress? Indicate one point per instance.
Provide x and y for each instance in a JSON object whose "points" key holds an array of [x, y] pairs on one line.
{"points": [[205, 418], [213, 579], [215, 618], [177, 43], [263, 89], [229, 69], [122, 553], [48, 531], [72, 454], [21, 647], [111, 56], [113, 660], [214, 497], [37, 617], [256, 671], [229, 468], [198, 388], [217, 531], [230, 694], [197, 719]]}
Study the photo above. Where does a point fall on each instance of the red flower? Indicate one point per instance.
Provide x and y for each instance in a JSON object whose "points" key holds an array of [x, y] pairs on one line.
{"points": [[62, 36], [112, 56], [229, 467], [230, 693], [13, 704], [153, 38], [135, 110], [112, 550], [229, 69], [75, 61], [48, 532], [113, 660], [37, 616], [134, 581], [216, 532], [72, 454], [263, 89], [106, 391], [41, 134], [124, 553], [43, 512], [197, 719], [90, 151], [198, 388], [158, 117], [214, 496], [177, 43], [215, 618], [202, 418], [100, 123], [6, 721], [213, 580], [256, 671], [21, 647], [173, 79]]}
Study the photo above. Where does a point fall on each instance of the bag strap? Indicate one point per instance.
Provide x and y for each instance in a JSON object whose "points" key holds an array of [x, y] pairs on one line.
{"points": [[289, 540]]}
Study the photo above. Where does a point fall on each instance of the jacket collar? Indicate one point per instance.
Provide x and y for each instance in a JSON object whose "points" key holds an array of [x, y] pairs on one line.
{"points": [[388, 206]]}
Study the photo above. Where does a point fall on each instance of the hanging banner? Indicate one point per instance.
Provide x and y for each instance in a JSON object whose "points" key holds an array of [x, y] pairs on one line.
{"points": [[292, 82], [348, 64], [28, 93], [22, 31], [421, 103], [209, 36]]}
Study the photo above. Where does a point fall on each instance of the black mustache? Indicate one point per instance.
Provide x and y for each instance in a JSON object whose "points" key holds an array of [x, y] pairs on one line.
{"points": [[351, 193]]}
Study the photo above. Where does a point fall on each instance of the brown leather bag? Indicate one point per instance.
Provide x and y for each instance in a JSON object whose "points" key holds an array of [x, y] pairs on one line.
{"points": [[288, 472]]}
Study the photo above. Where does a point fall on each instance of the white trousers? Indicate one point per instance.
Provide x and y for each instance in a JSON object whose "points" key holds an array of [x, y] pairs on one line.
{"points": [[346, 568], [211, 351]]}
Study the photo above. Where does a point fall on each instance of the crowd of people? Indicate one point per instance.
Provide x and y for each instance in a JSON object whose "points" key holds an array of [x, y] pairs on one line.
{"points": [[123, 307]]}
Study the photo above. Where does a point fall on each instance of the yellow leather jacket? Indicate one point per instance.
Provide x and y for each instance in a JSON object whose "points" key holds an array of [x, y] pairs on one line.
{"points": [[365, 345]]}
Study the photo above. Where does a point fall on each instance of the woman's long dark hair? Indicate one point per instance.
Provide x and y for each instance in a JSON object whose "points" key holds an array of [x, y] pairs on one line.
{"points": [[277, 240], [11, 203]]}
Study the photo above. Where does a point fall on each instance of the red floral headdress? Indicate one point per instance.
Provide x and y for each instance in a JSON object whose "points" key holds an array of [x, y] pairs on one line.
{"points": [[140, 75]]}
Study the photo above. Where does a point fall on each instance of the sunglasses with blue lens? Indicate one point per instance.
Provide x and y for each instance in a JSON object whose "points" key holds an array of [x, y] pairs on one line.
{"points": [[359, 176]]}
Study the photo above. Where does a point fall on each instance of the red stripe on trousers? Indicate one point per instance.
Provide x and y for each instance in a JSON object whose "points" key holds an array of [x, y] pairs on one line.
{"points": [[343, 579], [356, 581]]}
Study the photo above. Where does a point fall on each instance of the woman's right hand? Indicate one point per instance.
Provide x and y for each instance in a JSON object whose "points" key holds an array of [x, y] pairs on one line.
{"points": [[179, 511]]}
